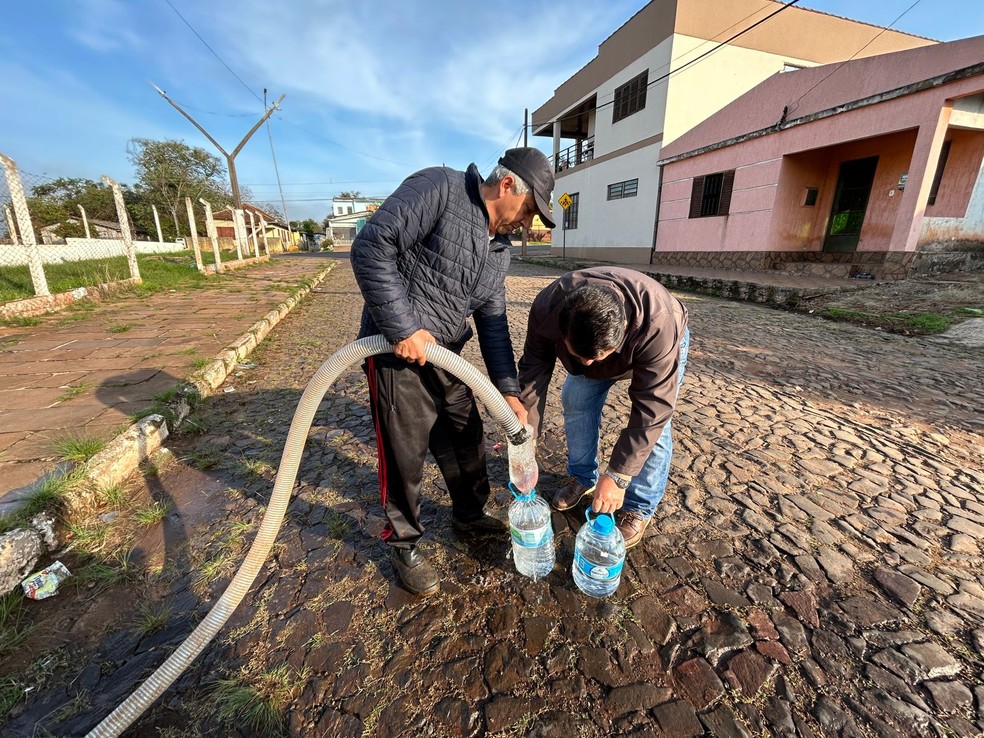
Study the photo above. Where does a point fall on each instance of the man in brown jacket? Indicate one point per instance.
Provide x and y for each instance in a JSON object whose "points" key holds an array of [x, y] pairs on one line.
{"points": [[607, 324]]}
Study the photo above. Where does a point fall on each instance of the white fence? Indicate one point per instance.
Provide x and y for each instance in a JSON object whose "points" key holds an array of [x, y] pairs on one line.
{"points": [[83, 249], [21, 247]]}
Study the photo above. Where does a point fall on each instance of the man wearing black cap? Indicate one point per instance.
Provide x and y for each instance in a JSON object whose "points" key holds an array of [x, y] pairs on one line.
{"points": [[435, 253]]}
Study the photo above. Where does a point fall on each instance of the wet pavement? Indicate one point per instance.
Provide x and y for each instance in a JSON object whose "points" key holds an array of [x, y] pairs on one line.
{"points": [[814, 570]]}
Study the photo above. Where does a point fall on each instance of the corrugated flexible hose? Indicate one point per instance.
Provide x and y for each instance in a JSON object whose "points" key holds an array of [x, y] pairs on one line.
{"points": [[134, 705]]}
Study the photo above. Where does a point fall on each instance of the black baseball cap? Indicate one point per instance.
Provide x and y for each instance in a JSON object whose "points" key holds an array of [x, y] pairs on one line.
{"points": [[532, 166]]}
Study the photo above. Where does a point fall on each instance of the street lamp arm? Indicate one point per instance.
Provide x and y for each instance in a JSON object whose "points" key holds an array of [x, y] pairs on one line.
{"points": [[259, 123], [192, 120]]}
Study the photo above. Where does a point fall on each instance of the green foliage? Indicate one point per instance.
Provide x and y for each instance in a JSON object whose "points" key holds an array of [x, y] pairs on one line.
{"points": [[78, 447], [900, 322], [258, 700], [167, 172]]}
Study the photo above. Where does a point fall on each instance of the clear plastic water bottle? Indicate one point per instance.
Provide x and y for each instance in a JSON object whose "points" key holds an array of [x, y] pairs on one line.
{"points": [[532, 534], [523, 471], [599, 553]]}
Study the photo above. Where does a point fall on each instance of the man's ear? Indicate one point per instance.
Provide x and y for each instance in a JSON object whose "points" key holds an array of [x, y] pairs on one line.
{"points": [[506, 185]]}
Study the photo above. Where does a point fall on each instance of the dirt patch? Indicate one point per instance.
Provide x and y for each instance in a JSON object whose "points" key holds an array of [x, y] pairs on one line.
{"points": [[920, 306]]}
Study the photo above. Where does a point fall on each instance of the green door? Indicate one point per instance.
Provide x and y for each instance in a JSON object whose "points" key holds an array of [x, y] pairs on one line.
{"points": [[850, 204]]}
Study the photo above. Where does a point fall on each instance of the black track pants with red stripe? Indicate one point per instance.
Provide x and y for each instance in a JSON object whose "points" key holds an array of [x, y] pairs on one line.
{"points": [[416, 408]]}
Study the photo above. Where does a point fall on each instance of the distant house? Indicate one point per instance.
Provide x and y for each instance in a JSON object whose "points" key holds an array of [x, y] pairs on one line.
{"points": [[352, 205], [279, 237], [342, 229], [97, 228], [870, 167]]}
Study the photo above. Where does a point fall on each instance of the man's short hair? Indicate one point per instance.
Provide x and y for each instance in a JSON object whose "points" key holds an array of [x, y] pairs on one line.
{"points": [[500, 173], [592, 319]]}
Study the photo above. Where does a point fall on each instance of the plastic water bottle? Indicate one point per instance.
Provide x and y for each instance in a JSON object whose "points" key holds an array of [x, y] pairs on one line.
{"points": [[532, 534], [523, 471], [599, 553]]}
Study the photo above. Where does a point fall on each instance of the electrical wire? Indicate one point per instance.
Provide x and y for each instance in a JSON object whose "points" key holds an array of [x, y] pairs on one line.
{"points": [[214, 53], [684, 66], [834, 71]]}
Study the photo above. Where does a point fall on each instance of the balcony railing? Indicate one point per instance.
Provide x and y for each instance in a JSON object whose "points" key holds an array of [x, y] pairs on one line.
{"points": [[575, 155]]}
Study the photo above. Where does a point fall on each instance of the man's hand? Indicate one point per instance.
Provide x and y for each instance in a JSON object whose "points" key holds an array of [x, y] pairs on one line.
{"points": [[607, 496], [517, 407], [414, 348]]}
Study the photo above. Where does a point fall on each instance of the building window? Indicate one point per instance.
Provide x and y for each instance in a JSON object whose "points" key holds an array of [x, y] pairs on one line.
{"points": [[630, 98], [711, 194], [570, 215], [938, 177], [811, 197], [619, 190]]}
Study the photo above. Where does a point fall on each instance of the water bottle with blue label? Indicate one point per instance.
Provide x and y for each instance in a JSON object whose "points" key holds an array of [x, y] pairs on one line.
{"points": [[532, 534], [599, 553]]}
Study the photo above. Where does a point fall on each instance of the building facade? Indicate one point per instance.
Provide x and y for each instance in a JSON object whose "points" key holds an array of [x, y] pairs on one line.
{"points": [[669, 67], [873, 167], [351, 205]]}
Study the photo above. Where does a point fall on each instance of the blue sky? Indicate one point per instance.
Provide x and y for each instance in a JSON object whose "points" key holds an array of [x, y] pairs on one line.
{"points": [[374, 90]]}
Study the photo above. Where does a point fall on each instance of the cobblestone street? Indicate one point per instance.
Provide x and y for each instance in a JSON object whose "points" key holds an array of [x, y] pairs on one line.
{"points": [[814, 570]]}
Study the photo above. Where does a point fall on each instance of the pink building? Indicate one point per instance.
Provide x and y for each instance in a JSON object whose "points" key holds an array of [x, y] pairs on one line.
{"points": [[871, 166]]}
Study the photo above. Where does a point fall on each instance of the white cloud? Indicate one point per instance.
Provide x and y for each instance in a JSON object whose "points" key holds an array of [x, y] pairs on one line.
{"points": [[107, 26]]}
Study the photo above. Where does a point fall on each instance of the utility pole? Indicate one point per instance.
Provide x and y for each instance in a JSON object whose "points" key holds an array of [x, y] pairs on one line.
{"points": [[276, 170], [526, 114], [230, 158]]}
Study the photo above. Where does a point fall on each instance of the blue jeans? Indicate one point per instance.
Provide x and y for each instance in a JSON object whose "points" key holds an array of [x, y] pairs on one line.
{"points": [[583, 400]]}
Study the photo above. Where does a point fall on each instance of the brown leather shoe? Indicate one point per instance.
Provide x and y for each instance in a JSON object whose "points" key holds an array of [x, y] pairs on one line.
{"points": [[632, 526], [569, 494]]}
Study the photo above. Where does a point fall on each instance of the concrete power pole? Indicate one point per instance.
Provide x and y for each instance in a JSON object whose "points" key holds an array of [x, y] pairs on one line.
{"points": [[230, 158], [526, 231]]}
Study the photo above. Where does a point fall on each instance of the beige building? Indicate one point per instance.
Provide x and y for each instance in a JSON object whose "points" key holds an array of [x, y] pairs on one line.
{"points": [[669, 67]]}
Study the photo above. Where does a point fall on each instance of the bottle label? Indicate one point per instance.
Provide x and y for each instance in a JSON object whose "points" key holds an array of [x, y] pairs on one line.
{"points": [[597, 571], [531, 538]]}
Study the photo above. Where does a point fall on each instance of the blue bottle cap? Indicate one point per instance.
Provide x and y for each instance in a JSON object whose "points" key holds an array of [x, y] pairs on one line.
{"points": [[602, 523]]}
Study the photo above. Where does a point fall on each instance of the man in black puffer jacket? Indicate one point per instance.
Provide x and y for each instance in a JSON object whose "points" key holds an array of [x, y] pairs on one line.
{"points": [[435, 253]]}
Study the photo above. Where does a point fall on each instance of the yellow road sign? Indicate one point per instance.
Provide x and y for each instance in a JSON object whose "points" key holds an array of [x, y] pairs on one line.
{"points": [[564, 201]]}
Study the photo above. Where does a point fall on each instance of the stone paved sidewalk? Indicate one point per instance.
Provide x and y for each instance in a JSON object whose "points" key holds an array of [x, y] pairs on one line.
{"points": [[815, 569], [83, 373]]}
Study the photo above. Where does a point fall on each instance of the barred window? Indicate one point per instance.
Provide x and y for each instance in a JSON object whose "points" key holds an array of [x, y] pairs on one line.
{"points": [[619, 190], [631, 97], [711, 194], [570, 215]]}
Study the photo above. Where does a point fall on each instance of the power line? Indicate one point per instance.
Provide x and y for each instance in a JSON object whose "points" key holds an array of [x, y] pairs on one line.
{"points": [[490, 161], [214, 53], [835, 70], [692, 61]]}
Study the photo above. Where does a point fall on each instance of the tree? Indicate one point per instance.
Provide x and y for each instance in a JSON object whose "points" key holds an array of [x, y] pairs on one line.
{"points": [[350, 195], [58, 200], [171, 170]]}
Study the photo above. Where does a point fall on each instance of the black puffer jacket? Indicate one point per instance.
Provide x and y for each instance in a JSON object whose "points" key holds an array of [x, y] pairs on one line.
{"points": [[424, 261]]}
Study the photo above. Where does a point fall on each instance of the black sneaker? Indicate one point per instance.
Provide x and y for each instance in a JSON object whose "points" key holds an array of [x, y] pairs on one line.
{"points": [[414, 571], [486, 525]]}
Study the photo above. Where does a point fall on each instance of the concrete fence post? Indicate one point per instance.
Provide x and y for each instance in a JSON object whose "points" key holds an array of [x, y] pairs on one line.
{"points": [[194, 234], [239, 228], [263, 227], [157, 222], [24, 227], [212, 234], [252, 228], [125, 232], [85, 222], [11, 228]]}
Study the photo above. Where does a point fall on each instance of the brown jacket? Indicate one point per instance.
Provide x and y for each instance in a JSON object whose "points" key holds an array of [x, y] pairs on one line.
{"points": [[649, 356]]}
